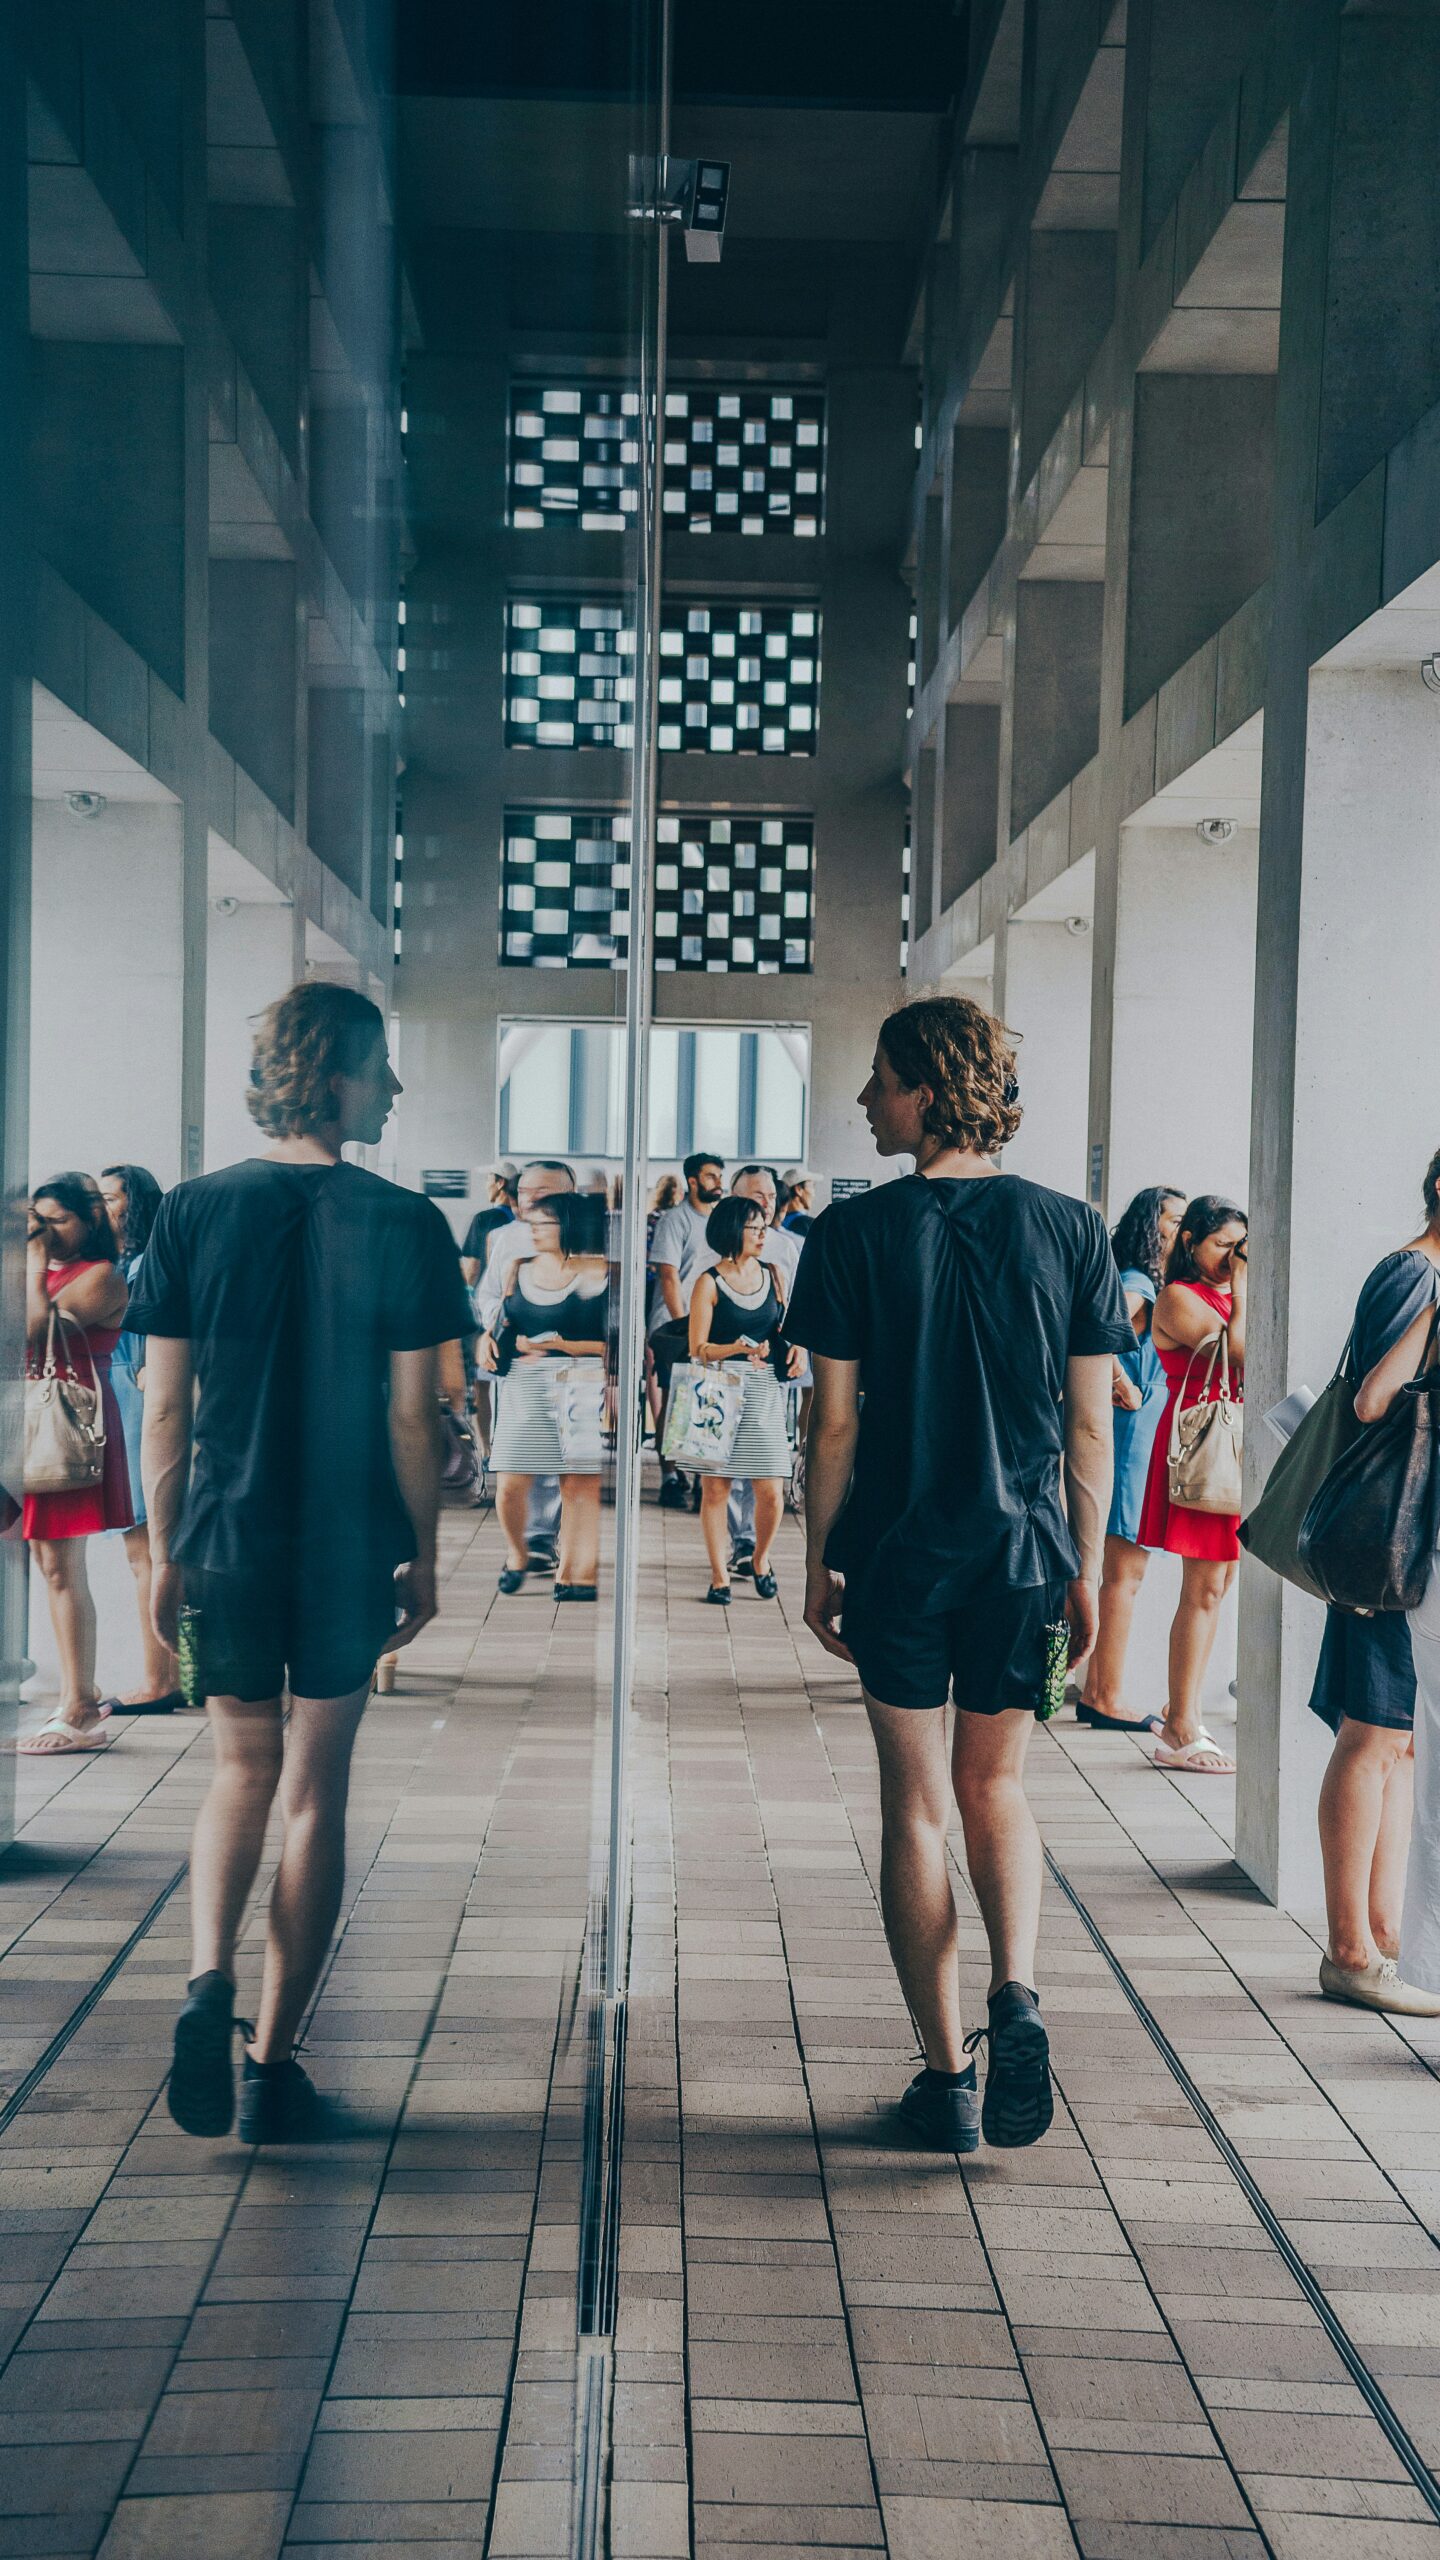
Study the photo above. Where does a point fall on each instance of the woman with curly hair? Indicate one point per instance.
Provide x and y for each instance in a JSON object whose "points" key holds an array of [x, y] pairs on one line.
{"points": [[981, 1316], [1141, 1242]]}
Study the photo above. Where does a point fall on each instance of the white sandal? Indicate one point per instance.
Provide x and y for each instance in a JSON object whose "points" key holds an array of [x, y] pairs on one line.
{"points": [[75, 1738], [1191, 1759]]}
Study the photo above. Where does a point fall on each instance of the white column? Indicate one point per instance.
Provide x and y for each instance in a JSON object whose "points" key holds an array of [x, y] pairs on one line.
{"points": [[1046, 1000], [250, 961], [107, 988], [1182, 1028], [1366, 1117]]}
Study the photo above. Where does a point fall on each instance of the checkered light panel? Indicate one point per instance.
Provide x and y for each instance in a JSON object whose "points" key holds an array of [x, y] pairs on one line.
{"points": [[735, 679], [731, 893], [745, 461]]}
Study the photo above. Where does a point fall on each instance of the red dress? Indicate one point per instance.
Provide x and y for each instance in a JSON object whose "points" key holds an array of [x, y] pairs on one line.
{"points": [[1211, 1534], [84, 1510]]}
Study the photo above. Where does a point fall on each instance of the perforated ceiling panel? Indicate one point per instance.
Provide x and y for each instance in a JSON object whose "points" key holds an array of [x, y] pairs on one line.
{"points": [[735, 679], [746, 461]]}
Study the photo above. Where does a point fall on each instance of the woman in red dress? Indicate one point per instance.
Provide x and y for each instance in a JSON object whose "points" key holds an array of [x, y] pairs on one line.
{"points": [[71, 1262], [1203, 1296]]}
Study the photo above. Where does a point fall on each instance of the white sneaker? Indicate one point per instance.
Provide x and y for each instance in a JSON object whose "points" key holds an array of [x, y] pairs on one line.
{"points": [[1377, 1986]]}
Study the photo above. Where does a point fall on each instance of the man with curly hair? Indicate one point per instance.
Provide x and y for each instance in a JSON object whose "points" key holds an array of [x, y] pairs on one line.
{"points": [[978, 1314], [292, 1306]]}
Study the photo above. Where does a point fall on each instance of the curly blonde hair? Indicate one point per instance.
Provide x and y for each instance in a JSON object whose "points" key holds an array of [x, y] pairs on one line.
{"points": [[967, 1058], [305, 1038]]}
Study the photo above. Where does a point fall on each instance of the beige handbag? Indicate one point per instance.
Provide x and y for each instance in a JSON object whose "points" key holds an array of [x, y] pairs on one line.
{"points": [[1206, 1439], [64, 1419]]}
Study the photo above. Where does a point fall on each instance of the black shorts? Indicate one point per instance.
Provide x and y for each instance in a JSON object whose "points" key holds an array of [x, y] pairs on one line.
{"points": [[255, 1637], [1000, 1650]]}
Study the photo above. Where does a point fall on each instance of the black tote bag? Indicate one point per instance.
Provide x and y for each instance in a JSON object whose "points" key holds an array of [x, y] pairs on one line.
{"points": [[1368, 1538], [1271, 1533]]}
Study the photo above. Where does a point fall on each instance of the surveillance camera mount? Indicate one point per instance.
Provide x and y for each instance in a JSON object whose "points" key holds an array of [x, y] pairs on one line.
{"points": [[85, 804], [1215, 831]]}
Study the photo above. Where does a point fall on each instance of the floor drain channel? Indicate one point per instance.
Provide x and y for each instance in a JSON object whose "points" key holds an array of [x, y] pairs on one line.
{"points": [[1339, 2336], [96, 1993]]}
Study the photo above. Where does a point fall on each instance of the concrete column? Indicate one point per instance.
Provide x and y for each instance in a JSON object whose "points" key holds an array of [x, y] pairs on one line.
{"points": [[16, 644], [1347, 1058], [250, 961], [1046, 999], [108, 951], [1182, 1013]]}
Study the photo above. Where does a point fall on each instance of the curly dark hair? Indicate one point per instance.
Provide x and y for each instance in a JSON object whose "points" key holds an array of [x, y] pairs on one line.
{"points": [[143, 1196], [1136, 1236], [1200, 1218], [967, 1058], [78, 1193], [1432, 1187], [315, 1032]]}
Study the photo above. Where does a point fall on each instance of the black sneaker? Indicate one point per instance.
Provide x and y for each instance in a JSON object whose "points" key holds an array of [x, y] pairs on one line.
{"points": [[282, 2104], [672, 1493], [541, 1559], [944, 2113], [201, 2090], [742, 1562], [1019, 2101]]}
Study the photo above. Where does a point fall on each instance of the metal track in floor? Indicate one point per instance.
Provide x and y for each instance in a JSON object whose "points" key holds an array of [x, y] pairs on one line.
{"points": [[78, 2015], [1402, 2443]]}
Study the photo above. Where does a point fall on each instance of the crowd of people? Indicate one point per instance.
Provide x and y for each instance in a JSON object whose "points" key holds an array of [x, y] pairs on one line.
{"points": [[997, 1412]]}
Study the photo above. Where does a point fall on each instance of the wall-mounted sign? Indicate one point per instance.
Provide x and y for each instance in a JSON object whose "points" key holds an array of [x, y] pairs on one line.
{"points": [[848, 1186], [446, 1182], [1097, 1172]]}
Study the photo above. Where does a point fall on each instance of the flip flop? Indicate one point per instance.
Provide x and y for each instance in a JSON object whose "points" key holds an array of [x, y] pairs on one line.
{"points": [[1190, 1760], [1116, 1724], [76, 1740]]}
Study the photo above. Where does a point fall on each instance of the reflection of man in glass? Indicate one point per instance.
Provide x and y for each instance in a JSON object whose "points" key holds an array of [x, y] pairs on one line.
{"points": [[293, 1308], [678, 1255]]}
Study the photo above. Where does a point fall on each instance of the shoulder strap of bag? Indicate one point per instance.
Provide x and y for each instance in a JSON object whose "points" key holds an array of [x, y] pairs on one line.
{"points": [[1213, 1346], [56, 1310]]}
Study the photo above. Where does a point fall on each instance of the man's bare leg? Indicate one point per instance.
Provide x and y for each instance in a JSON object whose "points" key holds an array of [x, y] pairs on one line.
{"points": [[1002, 1840], [916, 1901], [305, 1900]]}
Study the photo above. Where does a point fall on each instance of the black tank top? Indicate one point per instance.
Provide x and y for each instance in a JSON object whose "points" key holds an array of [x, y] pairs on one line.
{"points": [[579, 1317], [741, 1320]]}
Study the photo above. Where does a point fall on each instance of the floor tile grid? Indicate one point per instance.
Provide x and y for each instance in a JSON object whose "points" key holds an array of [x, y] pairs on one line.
{"points": [[779, 2452], [921, 2494], [651, 2454], [109, 2193], [1374, 2447], [470, 2274], [1276, 1962], [133, 2265], [1357, 2217]]}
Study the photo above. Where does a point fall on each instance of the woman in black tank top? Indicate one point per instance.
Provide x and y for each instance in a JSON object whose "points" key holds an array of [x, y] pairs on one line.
{"points": [[734, 1320], [556, 1309]]}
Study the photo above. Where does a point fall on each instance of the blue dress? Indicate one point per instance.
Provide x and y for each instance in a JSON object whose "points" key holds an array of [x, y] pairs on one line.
{"points": [[126, 1362], [1135, 1432]]}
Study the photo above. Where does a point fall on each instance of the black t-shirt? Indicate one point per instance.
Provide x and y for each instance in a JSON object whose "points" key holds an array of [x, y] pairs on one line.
{"points": [[962, 1301], [293, 1283], [482, 1226]]}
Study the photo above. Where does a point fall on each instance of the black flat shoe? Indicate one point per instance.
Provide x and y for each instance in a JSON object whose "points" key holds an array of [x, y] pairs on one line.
{"points": [[511, 1579], [766, 1587], [718, 1595], [169, 1705], [575, 1591], [1117, 1724]]}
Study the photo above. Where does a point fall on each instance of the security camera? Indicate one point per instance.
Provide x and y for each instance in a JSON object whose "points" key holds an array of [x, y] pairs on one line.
{"points": [[1077, 925], [1215, 830], [227, 906], [85, 804]]}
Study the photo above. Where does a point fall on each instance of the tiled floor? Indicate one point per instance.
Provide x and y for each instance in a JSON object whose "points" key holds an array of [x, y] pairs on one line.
{"points": [[825, 2341]]}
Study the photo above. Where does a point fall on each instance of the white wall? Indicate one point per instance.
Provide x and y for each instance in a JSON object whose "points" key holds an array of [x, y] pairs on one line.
{"points": [[250, 959], [106, 989], [1047, 1001], [1183, 1013]]}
